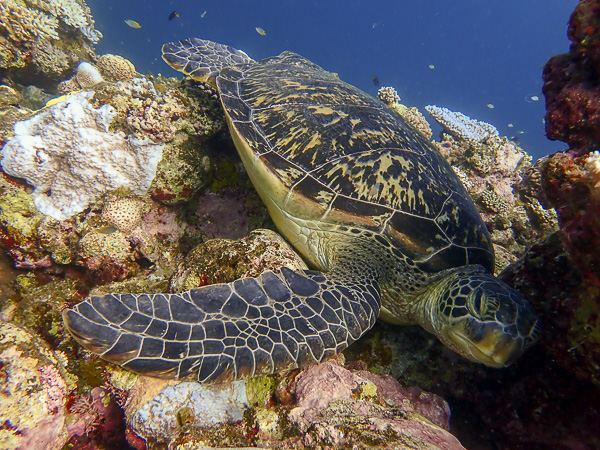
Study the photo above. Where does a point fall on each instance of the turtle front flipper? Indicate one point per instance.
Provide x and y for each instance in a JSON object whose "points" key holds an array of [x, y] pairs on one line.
{"points": [[201, 59], [224, 332]]}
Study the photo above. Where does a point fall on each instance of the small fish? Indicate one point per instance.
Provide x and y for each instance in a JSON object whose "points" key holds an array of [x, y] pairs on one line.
{"points": [[54, 101], [375, 80], [109, 229], [510, 125], [260, 31], [173, 15], [489, 105], [133, 24], [202, 15], [532, 98], [520, 132], [431, 66]]}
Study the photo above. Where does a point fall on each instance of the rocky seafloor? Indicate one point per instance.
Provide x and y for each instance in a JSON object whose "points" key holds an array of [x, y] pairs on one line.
{"points": [[164, 204]]}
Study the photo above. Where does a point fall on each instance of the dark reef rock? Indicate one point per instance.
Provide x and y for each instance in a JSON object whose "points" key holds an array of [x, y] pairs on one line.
{"points": [[572, 83]]}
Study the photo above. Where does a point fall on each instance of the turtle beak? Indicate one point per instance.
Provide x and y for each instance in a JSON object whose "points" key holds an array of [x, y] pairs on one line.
{"points": [[486, 343]]}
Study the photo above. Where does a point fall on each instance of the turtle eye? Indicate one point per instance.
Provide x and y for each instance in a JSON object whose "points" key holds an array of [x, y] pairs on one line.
{"points": [[476, 304]]}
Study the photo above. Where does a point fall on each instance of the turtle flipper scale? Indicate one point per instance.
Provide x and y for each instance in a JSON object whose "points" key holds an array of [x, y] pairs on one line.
{"points": [[202, 59], [223, 332]]}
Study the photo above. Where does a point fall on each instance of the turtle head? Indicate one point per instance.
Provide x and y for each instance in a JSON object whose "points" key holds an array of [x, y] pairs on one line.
{"points": [[483, 319]]}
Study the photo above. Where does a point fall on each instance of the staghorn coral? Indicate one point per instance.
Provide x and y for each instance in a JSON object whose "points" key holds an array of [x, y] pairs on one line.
{"points": [[25, 25], [116, 68], [462, 126]]}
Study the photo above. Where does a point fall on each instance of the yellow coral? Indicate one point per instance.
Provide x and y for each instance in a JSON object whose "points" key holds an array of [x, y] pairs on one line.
{"points": [[125, 214], [388, 95], [414, 117], [71, 12], [116, 68], [25, 25]]}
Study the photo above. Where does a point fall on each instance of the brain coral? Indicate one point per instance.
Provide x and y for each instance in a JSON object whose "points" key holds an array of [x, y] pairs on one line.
{"points": [[67, 153], [116, 68]]}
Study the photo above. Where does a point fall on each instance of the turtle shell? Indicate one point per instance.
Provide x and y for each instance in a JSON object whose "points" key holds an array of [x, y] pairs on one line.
{"points": [[323, 150]]}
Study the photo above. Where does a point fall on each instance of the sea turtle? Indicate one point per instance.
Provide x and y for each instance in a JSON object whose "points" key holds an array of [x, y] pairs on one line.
{"points": [[366, 200]]}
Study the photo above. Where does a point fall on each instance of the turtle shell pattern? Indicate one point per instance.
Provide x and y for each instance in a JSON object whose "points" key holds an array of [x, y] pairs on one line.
{"points": [[353, 160]]}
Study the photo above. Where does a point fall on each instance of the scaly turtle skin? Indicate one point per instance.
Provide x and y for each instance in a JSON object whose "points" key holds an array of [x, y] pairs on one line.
{"points": [[367, 201]]}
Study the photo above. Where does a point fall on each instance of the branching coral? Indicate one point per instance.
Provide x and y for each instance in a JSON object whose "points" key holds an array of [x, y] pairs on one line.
{"points": [[71, 12], [46, 35], [24, 25], [388, 95]]}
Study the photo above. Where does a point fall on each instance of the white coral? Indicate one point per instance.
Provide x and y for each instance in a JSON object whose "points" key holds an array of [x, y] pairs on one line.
{"points": [[462, 126], [592, 166], [66, 152]]}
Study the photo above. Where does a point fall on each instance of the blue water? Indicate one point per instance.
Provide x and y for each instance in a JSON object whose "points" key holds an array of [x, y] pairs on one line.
{"points": [[484, 52]]}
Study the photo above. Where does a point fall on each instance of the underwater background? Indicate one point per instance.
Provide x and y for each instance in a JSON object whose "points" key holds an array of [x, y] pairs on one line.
{"points": [[483, 53], [116, 179]]}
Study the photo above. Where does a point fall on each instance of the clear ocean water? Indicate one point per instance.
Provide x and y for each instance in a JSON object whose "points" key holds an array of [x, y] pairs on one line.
{"points": [[482, 52]]}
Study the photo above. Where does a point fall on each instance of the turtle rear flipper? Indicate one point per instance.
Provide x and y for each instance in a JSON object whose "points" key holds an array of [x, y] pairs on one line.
{"points": [[223, 332], [201, 59]]}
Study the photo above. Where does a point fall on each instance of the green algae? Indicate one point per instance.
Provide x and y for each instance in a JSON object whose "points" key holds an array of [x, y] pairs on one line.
{"points": [[260, 389]]}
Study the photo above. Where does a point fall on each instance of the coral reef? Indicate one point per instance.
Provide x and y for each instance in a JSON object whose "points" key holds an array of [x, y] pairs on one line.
{"points": [[388, 95], [68, 154], [124, 213], [116, 68], [222, 260], [87, 76], [461, 126], [189, 403], [413, 116], [45, 38], [572, 83], [33, 397], [502, 181], [325, 406]]}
